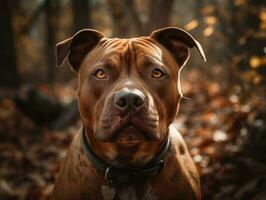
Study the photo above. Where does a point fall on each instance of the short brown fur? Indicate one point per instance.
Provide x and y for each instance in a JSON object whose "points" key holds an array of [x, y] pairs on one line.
{"points": [[128, 65]]}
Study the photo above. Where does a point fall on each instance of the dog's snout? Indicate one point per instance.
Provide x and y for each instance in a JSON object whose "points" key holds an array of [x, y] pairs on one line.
{"points": [[129, 100]]}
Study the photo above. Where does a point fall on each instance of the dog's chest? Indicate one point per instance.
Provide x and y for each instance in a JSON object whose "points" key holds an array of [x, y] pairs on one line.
{"points": [[129, 193], [132, 155]]}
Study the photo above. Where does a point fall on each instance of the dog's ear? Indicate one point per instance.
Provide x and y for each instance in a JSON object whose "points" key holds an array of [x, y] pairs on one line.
{"points": [[76, 47], [177, 41]]}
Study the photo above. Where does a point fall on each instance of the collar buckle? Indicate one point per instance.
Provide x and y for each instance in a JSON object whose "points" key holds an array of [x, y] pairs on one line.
{"points": [[116, 176], [107, 176]]}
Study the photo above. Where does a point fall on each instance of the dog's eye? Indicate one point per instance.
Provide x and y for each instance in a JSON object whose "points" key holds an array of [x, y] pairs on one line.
{"points": [[100, 74], [157, 73]]}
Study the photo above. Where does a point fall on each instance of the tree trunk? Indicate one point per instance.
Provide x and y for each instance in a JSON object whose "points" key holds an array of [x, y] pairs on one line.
{"points": [[121, 24], [51, 10], [9, 75], [135, 16], [81, 17], [160, 14]]}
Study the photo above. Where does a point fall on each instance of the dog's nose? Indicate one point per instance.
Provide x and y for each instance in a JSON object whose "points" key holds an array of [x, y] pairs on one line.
{"points": [[129, 100]]}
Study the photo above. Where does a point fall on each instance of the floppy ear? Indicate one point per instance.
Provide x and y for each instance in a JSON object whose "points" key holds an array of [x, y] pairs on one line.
{"points": [[177, 42], [76, 47]]}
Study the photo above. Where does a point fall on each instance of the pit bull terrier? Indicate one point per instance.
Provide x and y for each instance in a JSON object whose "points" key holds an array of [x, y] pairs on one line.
{"points": [[128, 96]]}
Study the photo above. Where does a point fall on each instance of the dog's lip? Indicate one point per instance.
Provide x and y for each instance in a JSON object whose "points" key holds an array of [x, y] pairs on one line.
{"points": [[144, 135], [126, 124], [140, 135]]}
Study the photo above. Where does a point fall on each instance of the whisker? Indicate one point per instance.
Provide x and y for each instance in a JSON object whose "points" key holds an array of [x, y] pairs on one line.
{"points": [[187, 98]]}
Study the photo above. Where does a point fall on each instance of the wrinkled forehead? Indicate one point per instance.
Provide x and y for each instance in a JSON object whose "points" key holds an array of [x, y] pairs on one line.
{"points": [[147, 47], [140, 49]]}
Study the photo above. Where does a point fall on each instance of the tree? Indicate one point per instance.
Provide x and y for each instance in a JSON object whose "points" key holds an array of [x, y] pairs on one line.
{"points": [[81, 17], [127, 20], [51, 9], [121, 26], [9, 75], [160, 14]]}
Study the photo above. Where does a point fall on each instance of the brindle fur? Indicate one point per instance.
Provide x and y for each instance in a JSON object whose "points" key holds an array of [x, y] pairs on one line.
{"points": [[177, 180], [128, 64]]}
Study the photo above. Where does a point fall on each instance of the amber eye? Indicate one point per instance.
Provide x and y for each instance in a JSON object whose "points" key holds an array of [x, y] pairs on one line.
{"points": [[100, 74], [157, 73]]}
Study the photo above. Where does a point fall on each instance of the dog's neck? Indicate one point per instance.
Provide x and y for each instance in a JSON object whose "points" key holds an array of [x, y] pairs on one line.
{"points": [[124, 175]]}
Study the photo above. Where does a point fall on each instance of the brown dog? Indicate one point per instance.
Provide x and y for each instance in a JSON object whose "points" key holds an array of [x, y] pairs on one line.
{"points": [[128, 96]]}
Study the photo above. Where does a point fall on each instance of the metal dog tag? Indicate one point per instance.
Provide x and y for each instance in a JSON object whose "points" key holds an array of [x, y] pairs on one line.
{"points": [[108, 192]]}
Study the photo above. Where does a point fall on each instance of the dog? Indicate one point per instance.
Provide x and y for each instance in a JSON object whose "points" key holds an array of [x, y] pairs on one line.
{"points": [[128, 97]]}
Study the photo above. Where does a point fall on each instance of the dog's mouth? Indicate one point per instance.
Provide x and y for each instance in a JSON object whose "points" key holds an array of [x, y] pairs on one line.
{"points": [[129, 134], [127, 130]]}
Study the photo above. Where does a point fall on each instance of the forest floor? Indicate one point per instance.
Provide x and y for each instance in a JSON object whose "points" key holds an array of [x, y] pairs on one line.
{"points": [[224, 128]]}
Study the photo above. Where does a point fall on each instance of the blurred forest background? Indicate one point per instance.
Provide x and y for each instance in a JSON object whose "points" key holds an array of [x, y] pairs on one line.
{"points": [[223, 120]]}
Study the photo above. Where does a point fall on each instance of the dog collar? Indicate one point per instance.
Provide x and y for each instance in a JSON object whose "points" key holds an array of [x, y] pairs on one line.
{"points": [[116, 176]]}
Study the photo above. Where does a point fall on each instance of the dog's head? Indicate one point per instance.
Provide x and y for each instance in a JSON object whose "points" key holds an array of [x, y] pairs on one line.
{"points": [[128, 89]]}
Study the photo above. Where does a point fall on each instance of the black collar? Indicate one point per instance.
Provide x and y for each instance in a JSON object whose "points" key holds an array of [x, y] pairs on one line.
{"points": [[124, 175]]}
